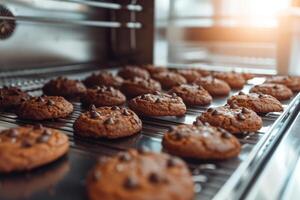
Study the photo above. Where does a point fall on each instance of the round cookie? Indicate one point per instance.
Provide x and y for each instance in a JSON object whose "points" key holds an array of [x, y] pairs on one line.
{"points": [[201, 142], [107, 122], [234, 80], [214, 86], [140, 176], [158, 104], [129, 72], [103, 96], [189, 74], [45, 107], [154, 69], [139, 86], [64, 87], [28, 147], [259, 103], [12, 97], [280, 92], [192, 94], [169, 79], [103, 78], [291, 82], [233, 119]]}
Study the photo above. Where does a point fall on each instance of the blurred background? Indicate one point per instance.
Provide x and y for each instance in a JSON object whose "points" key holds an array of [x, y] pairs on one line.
{"points": [[246, 33]]}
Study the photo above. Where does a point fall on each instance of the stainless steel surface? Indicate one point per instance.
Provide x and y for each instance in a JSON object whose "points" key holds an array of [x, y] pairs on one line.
{"points": [[227, 179]]}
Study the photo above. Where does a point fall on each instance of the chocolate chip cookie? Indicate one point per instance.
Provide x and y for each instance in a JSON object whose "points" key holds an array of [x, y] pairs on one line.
{"points": [[103, 96], [154, 69], [129, 72], [214, 86], [169, 79], [11, 98], [233, 119], [189, 74], [291, 82], [107, 122], [259, 103], [201, 142], [64, 87], [234, 80], [45, 107], [103, 78], [140, 176], [158, 104], [192, 94], [279, 91], [138, 86], [28, 147]]}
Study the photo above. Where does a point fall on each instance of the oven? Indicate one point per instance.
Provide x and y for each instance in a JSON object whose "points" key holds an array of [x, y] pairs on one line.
{"points": [[41, 40]]}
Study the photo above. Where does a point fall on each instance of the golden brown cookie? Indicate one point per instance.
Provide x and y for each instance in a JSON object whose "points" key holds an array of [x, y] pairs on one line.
{"points": [[12, 97], [192, 94], [158, 104], [291, 82], [279, 91], [233, 119], [234, 80], [103, 96], [259, 103], [140, 176], [45, 107], [107, 122], [28, 147], [139, 86], [169, 79], [201, 141], [189, 74], [129, 72], [103, 78], [64, 87], [214, 86]]}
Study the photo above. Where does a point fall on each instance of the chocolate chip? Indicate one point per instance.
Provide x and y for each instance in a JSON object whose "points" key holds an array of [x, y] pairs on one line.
{"points": [[143, 96], [109, 121], [92, 107], [115, 108], [210, 110], [38, 126], [241, 93], [178, 136], [245, 110], [26, 143], [154, 178], [94, 114], [130, 183], [96, 175], [275, 87], [47, 132], [234, 106], [50, 102], [43, 138], [124, 157], [215, 112], [40, 99], [13, 133], [260, 96], [171, 162], [126, 112], [111, 89], [23, 99], [158, 100], [225, 134], [174, 95], [241, 116]]}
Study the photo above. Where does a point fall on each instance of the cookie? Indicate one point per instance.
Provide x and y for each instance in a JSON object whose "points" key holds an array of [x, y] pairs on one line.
{"points": [[103, 78], [214, 86], [233, 119], [158, 104], [169, 79], [64, 87], [45, 107], [138, 86], [234, 80], [291, 82], [203, 72], [154, 69], [201, 142], [28, 147], [247, 76], [189, 74], [259, 103], [103, 96], [130, 72], [280, 92], [140, 176], [192, 94], [107, 122], [12, 97]]}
